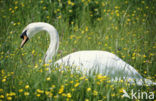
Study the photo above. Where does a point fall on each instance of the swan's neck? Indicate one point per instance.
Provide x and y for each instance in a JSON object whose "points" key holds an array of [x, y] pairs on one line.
{"points": [[53, 47], [54, 41]]}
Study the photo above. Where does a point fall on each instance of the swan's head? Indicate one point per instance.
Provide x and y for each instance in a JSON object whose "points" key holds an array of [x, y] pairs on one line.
{"points": [[29, 31], [33, 28], [25, 38]]}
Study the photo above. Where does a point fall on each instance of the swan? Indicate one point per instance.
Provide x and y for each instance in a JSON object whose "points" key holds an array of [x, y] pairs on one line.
{"points": [[102, 62]]}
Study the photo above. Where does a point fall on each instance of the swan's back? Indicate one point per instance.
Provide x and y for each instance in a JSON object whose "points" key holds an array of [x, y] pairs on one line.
{"points": [[99, 61]]}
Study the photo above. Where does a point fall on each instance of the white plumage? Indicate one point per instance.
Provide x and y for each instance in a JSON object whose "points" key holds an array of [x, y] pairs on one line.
{"points": [[101, 62]]}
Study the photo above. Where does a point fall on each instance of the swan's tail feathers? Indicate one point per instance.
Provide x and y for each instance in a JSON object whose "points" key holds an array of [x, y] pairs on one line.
{"points": [[138, 82], [133, 72], [149, 82], [154, 83]]}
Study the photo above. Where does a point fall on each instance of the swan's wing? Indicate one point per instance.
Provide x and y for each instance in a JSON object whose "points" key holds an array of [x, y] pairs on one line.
{"points": [[118, 66], [101, 61]]}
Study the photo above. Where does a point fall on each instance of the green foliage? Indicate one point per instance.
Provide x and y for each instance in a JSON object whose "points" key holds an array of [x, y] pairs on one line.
{"points": [[123, 27]]}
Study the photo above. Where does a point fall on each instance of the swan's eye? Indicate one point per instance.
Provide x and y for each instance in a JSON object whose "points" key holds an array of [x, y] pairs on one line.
{"points": [[23, 34]]}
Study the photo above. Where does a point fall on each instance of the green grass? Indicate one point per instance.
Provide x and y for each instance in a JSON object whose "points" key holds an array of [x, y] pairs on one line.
{"points": [[125, 28]]}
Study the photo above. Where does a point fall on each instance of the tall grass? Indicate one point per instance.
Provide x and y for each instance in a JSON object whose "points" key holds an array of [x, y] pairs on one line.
{"points": [[125, 28]]}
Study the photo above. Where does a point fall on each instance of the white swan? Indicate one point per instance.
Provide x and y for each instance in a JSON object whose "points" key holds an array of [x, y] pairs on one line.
{"points": [[98, 61]]}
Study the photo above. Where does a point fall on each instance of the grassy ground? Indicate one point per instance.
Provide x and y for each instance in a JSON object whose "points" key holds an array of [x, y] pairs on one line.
{"points": [[123, 27]]}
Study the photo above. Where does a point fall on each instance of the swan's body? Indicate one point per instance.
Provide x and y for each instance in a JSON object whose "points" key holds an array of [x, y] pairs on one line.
{"points": [[95, 61], [101, 61]]}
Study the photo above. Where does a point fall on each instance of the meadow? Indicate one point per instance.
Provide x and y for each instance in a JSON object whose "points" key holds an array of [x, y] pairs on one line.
{"points": [[123, 27]]}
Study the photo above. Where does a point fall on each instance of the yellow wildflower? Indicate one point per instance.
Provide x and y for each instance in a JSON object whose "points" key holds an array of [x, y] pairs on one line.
{"points": [[86, 29], [45, 65], [44, 8], [88, 89], [56, 96], [2, 96], [47, 69], [20, 90], [15, 7], [27, 86], [61, 89], [53, 86], [59, 17], [69, 95], [9, 98], [16, 2], [121, 90], [121, 81], [77, 84], [63, 94], [33, 51], [71, 82], [95, 93], [48, 78], [36, 66], [12, 94], [3, 80], [82, 31], [38, 95], [47, 17], [98, 83], [40, 91], [48, 93], [10, 9], [41, 1], [50, 61], [26, 93], [83, 77], [144, 56], [73, 89], [70, 11], [1, 90], [86, 99], [112, 94]]}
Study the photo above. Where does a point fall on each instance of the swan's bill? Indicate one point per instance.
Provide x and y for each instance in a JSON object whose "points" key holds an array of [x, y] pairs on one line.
{"points": [[25, 39]]}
